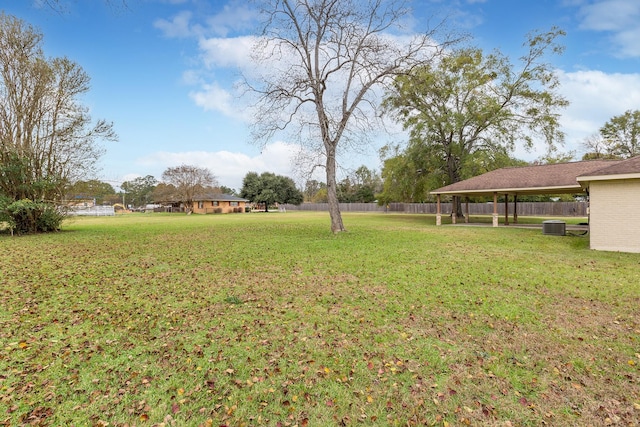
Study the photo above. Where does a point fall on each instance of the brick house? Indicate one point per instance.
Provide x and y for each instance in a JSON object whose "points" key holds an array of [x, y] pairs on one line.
{"points": [[218, 203]]}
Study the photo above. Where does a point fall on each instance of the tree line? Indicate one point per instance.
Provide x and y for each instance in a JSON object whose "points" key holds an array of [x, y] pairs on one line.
{"points": [[329, 71], [183, 185]]}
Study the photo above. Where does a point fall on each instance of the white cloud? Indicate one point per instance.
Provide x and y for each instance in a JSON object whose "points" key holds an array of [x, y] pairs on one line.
{"points": [[595, 98], [178, 27], [234, 17], [227, 52], [610, 15], [191, 77], [619, 17], [628, 42], [211, 97], [229, 167]]}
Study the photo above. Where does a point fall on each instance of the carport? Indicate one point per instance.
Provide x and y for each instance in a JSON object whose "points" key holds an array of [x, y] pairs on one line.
{"points": [[551, 179]]}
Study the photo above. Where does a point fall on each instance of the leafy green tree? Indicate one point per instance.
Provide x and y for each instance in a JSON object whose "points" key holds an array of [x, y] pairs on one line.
{"points": [[346, 191], [164, 193], [618, 138], [407, 175], [320, 196], [359, 187], [138, 192], [91, 189], [47, 138], [623, 134], [314, 189], [470, 102], [227, 190], [269, 188], [368, 183]]}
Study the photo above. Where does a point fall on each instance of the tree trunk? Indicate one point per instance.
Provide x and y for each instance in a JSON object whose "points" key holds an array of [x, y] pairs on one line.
{"points": [[453, 168], [332, 196], [457, 206]]}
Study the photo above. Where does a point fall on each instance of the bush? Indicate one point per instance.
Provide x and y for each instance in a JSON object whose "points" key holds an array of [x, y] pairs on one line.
{"points": [[26, 216], [50, 218]]}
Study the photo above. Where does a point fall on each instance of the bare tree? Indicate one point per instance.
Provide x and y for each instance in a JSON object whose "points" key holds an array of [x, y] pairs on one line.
{"points": [[41, 119], [328, 62], [597, 147], [188, 180], [47, 138]]}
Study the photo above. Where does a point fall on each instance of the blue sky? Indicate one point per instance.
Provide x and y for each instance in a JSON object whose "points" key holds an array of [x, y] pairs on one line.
{"points": [[164, 71]]}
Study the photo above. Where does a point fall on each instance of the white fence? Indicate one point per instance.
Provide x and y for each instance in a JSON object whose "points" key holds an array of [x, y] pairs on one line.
{"points": [[92, 211]]}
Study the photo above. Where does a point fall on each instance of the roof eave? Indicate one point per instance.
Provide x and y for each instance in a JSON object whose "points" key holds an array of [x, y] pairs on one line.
{"points": [[564, 189], [616, 177]]}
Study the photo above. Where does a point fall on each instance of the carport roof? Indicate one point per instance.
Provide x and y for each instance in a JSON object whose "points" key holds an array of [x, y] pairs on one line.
{"points": [[557, 178], [626, 169]]}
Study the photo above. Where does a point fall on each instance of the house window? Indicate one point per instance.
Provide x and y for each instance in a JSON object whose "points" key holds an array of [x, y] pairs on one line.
{"points": [[200, 205], [214, 203], [233, 203]]}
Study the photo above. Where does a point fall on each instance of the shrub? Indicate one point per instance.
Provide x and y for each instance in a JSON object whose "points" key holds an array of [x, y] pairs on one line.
{"points": [[26, 216]]}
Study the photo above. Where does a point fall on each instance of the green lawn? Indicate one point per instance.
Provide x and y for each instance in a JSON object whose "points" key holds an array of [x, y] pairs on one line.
{"points": [[269, 319]]}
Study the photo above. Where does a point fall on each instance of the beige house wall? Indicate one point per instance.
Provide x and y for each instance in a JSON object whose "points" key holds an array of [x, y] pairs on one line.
{"points": [[614, 220], [209, 206]]}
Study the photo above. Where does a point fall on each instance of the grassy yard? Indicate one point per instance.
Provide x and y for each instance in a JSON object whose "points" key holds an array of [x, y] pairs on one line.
{"points": [[269, 319]]}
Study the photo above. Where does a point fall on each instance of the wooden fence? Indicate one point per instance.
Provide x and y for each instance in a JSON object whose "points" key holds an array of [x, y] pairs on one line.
{"points": [[578, 209]]}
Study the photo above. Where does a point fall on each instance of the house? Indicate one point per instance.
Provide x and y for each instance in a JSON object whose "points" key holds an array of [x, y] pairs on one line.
{"points": [[613, 187], [218, 203]]}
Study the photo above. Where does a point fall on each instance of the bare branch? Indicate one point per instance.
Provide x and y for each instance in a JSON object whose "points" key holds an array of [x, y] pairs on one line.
{"points": [[42, 122], [187, 180], [324, 65]]}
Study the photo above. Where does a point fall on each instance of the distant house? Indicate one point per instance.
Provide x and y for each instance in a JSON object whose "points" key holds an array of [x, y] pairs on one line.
{"points": [[218, 203], [81, 200]]}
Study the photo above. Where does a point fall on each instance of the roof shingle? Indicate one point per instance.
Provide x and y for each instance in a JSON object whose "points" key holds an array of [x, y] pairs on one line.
{"points": [[218, 197], [624, 167], [554, 178]]}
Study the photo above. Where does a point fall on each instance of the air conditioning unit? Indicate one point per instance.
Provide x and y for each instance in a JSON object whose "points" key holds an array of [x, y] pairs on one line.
{"points": [[554, 228]]}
